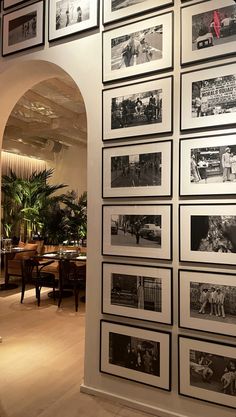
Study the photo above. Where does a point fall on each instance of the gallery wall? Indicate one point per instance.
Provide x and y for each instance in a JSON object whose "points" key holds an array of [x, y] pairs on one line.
{"points": [[80, 56]]}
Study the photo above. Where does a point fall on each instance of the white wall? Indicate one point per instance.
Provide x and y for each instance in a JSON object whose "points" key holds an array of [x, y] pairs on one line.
{"points": [[81, 59]]}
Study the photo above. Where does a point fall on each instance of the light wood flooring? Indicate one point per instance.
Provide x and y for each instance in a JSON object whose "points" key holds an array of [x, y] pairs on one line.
{"points": [[41, 360]]}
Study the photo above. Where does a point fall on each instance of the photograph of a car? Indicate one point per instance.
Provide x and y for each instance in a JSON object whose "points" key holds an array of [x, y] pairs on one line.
{"points": [[114, 227], [151, 231]]}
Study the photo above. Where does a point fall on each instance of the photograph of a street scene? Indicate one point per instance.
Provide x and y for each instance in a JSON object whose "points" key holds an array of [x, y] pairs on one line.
{"points": [[214, 27], [134, 353], [137, 48], [22, 28], [120, 4], [213, 233], [214, 96], [138, 170], [142, 292], [213, 164], [136, 230], [209, 301], [71, 12], [137, 109], [213, 372]]}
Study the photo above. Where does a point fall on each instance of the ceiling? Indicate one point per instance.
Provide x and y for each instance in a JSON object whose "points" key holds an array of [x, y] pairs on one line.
{"points": [[47, 120]]}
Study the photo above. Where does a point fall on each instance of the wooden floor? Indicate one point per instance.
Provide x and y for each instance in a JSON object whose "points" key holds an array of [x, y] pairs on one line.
{"points": [[41, 360]]}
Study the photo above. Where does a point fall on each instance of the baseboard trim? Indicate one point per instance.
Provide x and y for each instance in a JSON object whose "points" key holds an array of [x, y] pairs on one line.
{"points": [[160, 412]]}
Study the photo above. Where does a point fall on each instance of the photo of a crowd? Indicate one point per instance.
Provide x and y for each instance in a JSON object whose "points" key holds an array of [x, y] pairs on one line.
{"points": [[142, 292], [213, 372], [71, 12], [136, 48], [136, 230], [136, 109], [121, 4], [134, 353], [214, 27], [209, 301], [214, 96], [213, 233], [213, 164], [22, 28], [136, 170]]}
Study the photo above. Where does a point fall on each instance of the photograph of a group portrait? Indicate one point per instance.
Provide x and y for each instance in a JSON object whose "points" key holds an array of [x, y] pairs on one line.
{"points": [[208, 98], [23, 28], [138, 170], [207, 371], [138, 109], [208, 233], [135, 353], [114, 10], [137, 48], [207, 301], [139, 292], [137, 230], [67, 17], [208, 165], [208, 30]]}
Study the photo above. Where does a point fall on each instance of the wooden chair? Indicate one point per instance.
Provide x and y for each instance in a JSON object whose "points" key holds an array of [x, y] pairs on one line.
{"points": [[32, 273], [71, 276]]}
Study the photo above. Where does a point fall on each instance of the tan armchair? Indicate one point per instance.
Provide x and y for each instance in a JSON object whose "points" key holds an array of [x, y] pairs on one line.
{"points": [[14, 260]]}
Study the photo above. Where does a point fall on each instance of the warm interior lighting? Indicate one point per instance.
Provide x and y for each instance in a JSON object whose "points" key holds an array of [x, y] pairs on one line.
{"points": [[23, 166]]}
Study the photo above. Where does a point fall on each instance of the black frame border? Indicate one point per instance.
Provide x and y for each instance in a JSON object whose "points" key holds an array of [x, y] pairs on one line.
{"points": [[206, 341], [77, 32], [143, 135], [137, 144], [179, 300], [182, 139], [145, 266], [141, 205], [200, 204], [43, 29], [198, 61], [145, 73], [141, 328], [203, 128]]}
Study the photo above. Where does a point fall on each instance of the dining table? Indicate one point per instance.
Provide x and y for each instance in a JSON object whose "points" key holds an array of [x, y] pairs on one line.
{"points": [[72, 255], [7, 255]]}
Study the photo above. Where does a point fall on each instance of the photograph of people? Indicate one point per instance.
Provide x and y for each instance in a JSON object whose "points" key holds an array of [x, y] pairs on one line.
{"points": [[71, 12]]}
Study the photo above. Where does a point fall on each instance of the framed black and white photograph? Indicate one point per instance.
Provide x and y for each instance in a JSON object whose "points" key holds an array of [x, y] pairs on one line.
{"points": [[208, 98], [11, 3], [23, 28], [208, 30], [138, 48], [208, 233], [136, 354], [207, 370], [208, 165], [141, 170], [114, 10], [138, 109], [137, 291], [142, 231], [207, 301], [68, 17]]}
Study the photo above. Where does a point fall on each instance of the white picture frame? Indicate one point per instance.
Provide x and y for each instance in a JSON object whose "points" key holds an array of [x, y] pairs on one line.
{"points": [[216, 177], [120, 126], [202, 39], [156, 343], [137, 291], [65, 20], [18, 36], [194, 384], [139, 170], [206, 301], [207, 98], [112, 14], [207, 233], [143, 47]]}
